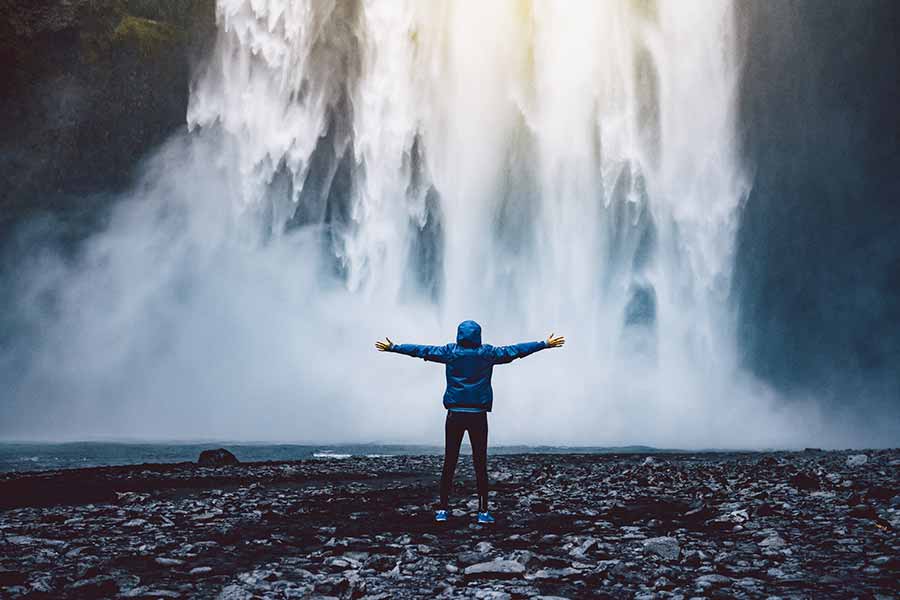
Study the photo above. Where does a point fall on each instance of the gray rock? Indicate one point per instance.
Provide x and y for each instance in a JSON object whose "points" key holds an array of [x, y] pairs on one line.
{"points": [[234, 592], [773, 541], [381, 562], [555, 574], [131, 497], [492, 595], [713, 579], [20, 540], [857, 460], [665, 547], [134, 523], [749, 583], [496, 568], [470, 558], [96, 586], [338, 563]]}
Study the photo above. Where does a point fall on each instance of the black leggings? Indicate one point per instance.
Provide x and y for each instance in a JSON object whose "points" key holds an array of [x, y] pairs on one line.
{"points": [[457, 424]]}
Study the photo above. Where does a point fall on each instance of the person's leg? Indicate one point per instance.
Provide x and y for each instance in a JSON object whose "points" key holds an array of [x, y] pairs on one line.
{"points": [[454, 429], [478, 436]]}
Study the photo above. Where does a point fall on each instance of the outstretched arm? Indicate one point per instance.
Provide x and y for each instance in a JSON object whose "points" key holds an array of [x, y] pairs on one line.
{"points": [[431, 353], [506, 354]]}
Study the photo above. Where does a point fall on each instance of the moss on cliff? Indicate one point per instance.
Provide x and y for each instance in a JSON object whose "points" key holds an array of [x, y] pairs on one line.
{"points": [[106, 26], [146, 35]]}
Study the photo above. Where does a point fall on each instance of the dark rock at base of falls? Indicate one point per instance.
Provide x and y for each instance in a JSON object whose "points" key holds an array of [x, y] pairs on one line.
{"points": [[220, 457], [684, 525]]}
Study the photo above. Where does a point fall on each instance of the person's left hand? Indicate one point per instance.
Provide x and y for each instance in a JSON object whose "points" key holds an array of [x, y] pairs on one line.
{"points": [[555, 341], [384, 346]]}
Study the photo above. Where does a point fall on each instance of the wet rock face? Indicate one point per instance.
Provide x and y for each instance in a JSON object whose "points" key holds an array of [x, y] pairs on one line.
{"points": [[89, 87], [677, 526], [817, 257], [220, 457]]}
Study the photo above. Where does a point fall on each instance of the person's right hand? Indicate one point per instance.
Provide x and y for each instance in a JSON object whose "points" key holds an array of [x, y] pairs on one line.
{"points": [[555, 341], [384, 346]]}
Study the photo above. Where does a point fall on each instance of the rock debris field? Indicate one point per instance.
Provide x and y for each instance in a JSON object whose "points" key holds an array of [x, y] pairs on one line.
{"points": [[724, 525]]}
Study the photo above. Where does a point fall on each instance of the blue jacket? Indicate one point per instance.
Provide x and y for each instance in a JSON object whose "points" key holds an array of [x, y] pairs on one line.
{"points": [[470, 365]]}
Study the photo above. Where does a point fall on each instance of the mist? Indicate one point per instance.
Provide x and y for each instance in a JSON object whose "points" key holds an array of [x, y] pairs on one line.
{"points": [[355, 171]]}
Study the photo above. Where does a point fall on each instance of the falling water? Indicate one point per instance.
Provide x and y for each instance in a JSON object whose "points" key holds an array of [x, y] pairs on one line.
{"points": [[361, 168], [535, 165]]}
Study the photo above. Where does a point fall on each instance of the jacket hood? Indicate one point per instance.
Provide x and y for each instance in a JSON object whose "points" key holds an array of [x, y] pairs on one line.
{"points": [[468, 335]]}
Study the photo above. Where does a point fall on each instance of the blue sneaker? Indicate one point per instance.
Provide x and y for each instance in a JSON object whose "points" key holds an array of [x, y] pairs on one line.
{"points": [[440, 516], [485, 518]]}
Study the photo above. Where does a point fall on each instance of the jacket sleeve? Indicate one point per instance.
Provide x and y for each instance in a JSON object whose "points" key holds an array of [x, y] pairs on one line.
{"points": [[507, 354], [439, 354]]}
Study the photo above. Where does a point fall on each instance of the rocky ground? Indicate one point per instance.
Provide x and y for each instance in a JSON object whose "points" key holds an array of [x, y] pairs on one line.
{"points": [[729, 525]]}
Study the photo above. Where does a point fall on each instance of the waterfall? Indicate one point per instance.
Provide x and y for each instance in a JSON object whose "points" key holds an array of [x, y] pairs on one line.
{"points": [[523, 147], [361, 168], [534, 165]]}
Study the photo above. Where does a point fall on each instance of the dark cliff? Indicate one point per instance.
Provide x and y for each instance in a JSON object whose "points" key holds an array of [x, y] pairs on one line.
{"points": [[89, 87], [818, 263]]}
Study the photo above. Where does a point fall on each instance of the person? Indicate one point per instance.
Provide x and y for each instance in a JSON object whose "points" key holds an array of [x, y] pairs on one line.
{"points": [[468, 398]]}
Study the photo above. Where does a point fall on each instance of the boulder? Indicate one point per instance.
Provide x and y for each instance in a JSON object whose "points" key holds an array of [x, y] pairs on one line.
{"points": [[665, 547], [857, 460], [713, 579], [220, 457], [773, 541], [496, 569]]}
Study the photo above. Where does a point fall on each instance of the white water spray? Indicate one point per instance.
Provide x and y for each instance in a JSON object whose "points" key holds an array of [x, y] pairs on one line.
{"points": [[365, 168]]}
